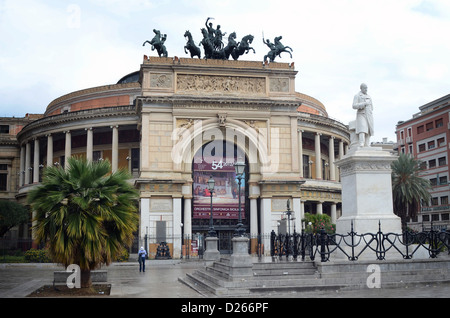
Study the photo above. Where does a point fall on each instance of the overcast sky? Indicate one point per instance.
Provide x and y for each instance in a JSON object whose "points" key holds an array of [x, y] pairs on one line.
{"points": [[400, 48]]}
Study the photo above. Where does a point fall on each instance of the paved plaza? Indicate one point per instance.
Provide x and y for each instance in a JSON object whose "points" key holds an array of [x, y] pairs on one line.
{"points": [[161, 281]]}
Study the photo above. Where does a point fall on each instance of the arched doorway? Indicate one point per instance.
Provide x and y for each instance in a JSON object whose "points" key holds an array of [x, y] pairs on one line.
{"points": [[217, 159]]}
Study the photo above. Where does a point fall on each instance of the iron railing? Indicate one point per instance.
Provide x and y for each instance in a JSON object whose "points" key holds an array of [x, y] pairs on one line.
{"points": [[352, 245]]}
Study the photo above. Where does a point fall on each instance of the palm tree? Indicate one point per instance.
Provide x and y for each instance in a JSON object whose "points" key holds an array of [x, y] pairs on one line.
{"points": [[408, 188], [86, 214]]}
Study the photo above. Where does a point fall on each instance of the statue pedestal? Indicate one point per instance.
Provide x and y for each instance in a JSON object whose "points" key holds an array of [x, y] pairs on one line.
{"points": [[367, 192], [240, 261], [212, 253]]}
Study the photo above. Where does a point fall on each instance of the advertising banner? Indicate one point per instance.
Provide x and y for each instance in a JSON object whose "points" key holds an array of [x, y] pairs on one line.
{"points": [[225, 195]]}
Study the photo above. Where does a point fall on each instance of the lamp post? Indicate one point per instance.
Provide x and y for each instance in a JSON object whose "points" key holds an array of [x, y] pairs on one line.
{"points": [[239, 167], [211, 183], [289, 213]]}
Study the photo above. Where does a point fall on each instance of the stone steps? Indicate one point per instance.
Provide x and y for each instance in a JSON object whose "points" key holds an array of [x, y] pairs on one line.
{"points": [[297, 276]]}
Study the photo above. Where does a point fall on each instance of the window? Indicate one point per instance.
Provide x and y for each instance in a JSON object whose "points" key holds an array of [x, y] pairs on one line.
{"points": [[445, 216], [431, 144], [135, 158], [432, 163], [421, 147], [444, 200], [439, 123], [4, 129], [426, 218], [3, 177], [433, 182], [420, 129], [306, 169], [423, 165], [443, 180], [435, 217], [442, 161], [434, 201], [3, 181], [429, 126], [441, 142]]}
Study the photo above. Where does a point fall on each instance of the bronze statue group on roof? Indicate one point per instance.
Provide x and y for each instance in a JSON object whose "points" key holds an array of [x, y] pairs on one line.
{"points": [[214, 47]]}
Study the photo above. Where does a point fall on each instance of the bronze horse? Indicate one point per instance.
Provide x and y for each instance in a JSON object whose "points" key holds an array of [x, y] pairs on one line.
{"points": [[158, 43], [191, 47]]}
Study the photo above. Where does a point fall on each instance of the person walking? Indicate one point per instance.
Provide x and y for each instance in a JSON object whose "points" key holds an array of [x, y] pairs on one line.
{"points": [[141, 257]]}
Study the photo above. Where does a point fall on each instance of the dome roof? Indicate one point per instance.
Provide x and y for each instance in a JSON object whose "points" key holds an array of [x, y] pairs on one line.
{"points": [[130, 78]]}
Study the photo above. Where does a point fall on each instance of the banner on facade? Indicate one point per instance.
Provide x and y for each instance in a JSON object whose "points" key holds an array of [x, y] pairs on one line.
{"points": [[225, 199]]}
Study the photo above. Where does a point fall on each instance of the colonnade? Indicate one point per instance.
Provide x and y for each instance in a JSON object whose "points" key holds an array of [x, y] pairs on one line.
{"points": [[28, 169], [334, 173]]}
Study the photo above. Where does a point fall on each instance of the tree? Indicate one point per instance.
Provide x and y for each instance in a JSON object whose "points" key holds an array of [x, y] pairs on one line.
{"points": [[85, 214], [408, 188], [11, 214]]}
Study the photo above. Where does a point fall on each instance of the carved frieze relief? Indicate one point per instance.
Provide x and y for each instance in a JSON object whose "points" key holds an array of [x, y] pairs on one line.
{"points": [[201, 84], [279, 85], [161, 80]]}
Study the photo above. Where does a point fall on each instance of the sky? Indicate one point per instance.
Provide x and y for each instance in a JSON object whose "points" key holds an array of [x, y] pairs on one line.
{"points": [[400, 48]]}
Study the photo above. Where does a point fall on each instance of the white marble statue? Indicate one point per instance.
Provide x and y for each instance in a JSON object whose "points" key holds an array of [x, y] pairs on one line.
{"points": [[364, 118]]}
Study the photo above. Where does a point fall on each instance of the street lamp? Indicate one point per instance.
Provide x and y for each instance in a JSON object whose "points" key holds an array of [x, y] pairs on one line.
{"points": [[239, 167], [289, 213], [211, 184]]}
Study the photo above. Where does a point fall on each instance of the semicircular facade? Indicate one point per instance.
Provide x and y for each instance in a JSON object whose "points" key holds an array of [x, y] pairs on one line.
{"points": [[177, 122]]}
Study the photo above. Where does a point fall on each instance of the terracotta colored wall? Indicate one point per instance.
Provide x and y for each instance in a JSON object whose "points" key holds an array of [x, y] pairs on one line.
{"points": [[101, 102]]}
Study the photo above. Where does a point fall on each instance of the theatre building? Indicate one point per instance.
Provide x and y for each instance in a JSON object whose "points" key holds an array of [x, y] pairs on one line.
{"points": [[176, 123]]}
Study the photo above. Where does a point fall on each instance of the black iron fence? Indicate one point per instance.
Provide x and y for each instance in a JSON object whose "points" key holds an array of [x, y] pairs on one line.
{"points": [[352, 245]]}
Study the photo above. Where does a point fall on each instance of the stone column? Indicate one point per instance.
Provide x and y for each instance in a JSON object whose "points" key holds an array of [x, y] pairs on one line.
{"points": [[253, 225], [341, 155], [67, 149], [89, 144], [187, 225], [266, 226], [144, 221], [318, 156], [302, 211], [300, 151], [36, 161], [176, 227], [115, 148], [333, 213], [27, 163], [297, 207], [22, 166], [49, 150], [331, 156], [320, 207]]}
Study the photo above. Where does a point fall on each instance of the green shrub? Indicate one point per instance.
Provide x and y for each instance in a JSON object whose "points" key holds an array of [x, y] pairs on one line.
{"points": [[37, 256], [318, 221]]}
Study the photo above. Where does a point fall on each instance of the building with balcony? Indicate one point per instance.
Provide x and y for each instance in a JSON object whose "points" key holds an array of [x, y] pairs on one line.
{"points": [[175, 123], [426, 137]]}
